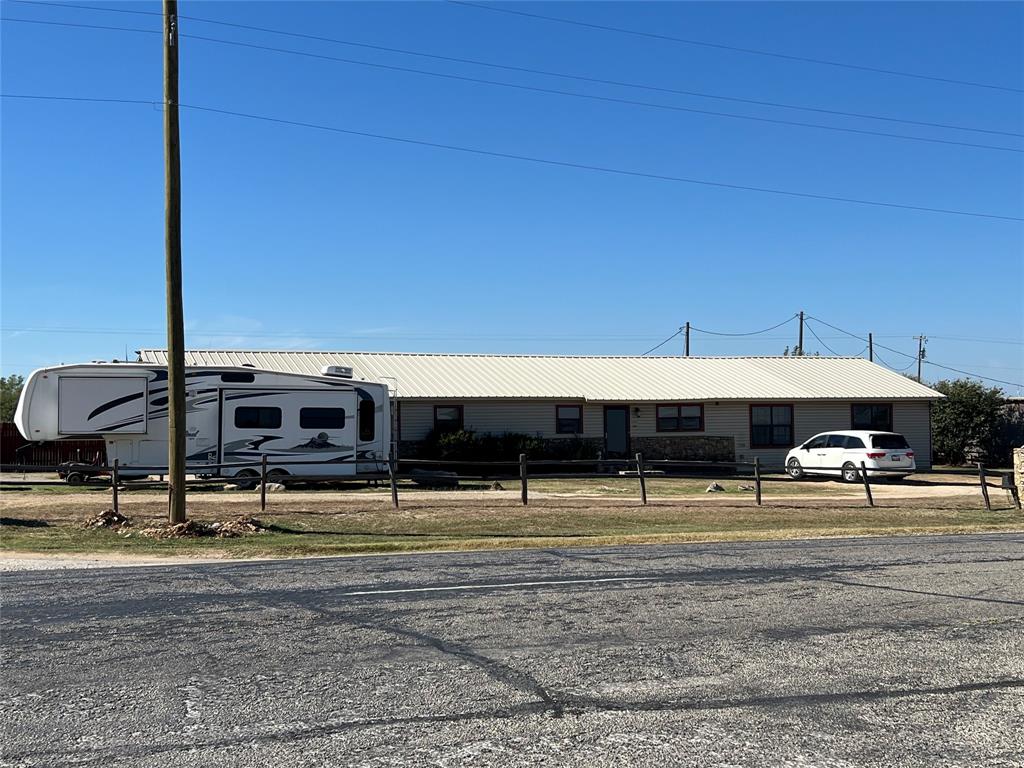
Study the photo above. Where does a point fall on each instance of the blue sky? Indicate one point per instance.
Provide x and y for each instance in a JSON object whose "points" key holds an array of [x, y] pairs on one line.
{"points": [[300, 238]]}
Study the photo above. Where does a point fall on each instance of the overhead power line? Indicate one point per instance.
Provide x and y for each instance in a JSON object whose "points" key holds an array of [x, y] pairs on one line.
{"points": [[749, 333], [546, 73], [553, 162], [530, 88], [975, 375], [735, 48], [662, 344], [815, 335]]}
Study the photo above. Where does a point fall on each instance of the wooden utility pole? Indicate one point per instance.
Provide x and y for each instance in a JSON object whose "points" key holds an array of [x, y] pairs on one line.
{"points": [[687, 348], [920, 354], [871, 347], [175, 318], [800, 345]]}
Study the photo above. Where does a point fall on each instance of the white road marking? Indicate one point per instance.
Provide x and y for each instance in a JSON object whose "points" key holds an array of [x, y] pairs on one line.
{"points": [[507, 585]]}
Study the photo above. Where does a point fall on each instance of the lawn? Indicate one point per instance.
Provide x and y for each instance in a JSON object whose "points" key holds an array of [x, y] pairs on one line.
{"points": [[323, 523]]}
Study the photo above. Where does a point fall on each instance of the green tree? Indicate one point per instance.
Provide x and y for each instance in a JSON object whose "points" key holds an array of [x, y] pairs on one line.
{"points": [[968, 423], [10, 391]]}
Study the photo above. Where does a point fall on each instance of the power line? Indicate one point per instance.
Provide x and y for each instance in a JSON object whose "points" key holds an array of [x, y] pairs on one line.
{"points": [[815, 335], [750, 333], [659, 346], [975, 375], [534, 89], [546, 73], [559, 163], [737, 49]]}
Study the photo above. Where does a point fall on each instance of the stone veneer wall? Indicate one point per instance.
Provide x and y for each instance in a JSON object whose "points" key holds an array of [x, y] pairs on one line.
{"points": [[1018, 470], [686, 448]]}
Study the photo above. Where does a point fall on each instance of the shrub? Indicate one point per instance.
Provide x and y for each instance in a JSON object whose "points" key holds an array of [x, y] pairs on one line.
{"points": [[967, 425]]}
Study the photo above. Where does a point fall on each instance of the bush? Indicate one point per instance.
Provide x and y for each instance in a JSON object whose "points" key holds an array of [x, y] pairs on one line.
{"points": [[469, 446], [968, 424]]}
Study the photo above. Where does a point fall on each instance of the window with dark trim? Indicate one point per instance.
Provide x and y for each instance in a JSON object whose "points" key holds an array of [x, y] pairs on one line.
{"points": [[447, 418], [367, 420], [321, 418], [771, 426], [568, 419], [679, 418], [871, 416], [257, 417]]}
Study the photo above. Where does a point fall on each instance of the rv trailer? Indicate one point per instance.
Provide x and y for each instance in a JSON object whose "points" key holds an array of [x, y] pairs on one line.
{"points": [[340, 426]]}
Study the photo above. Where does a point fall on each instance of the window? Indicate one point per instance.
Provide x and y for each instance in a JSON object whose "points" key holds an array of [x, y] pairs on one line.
{"points": [[680, 418], [447, 418], [889, 442], [322, 418], [836, 441], [257, 417], [854, 442], [367, 420], [871, 416], [817, 442], [771, 426], [236, 377], [568, 419]]}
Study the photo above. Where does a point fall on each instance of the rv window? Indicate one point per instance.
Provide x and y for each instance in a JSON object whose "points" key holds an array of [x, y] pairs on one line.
{"points": [[367, 420], [234, 377], [322, 418], [254, 417]]}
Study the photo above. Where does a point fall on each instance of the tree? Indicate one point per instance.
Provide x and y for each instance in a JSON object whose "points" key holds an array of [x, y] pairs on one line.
{"points": [[10, 391], [967, 424]]}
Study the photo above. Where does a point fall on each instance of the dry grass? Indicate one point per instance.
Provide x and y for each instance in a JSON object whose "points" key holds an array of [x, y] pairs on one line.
{"points": [[304, 523]]}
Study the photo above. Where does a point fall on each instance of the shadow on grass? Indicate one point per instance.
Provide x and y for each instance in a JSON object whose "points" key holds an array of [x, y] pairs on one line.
{"points": [[19, 523], [274, 528]]}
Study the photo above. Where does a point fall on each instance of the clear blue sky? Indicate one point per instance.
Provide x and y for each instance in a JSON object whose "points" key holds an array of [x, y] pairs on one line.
{"points": [[299, 238]]}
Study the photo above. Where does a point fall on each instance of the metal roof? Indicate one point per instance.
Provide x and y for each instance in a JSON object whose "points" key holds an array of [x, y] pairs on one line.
{"points": [[607, 379]]}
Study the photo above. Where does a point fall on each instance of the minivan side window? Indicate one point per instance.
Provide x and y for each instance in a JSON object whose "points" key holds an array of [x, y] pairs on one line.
{"points": [[853, 443], [818, 442], [836, 441]]}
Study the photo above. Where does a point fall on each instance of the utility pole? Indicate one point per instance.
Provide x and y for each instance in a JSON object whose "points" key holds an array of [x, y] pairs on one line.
{"points": [[800, 345], [871, 347], [920, 354], [175, 319], [687, 348]]}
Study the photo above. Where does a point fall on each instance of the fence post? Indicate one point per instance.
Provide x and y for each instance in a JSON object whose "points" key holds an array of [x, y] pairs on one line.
{"points": [[114, 480], [263, 483], [522, 479], [867, 485], [643, 481], [394, 481], [984, 485], [757, 480]]}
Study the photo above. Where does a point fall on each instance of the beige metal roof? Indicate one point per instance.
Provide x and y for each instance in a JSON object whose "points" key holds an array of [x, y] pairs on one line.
{"points": [[608, 379]]}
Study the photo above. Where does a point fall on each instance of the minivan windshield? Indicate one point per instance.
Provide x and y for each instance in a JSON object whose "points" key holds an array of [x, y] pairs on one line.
{"points": [[888, 442]]}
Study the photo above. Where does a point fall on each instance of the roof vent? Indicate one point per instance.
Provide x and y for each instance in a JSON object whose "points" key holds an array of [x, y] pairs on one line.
{"points": [[341, 371]]}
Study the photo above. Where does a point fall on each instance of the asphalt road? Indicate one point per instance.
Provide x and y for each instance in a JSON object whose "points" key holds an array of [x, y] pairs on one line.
{"points": [[880, 652]]}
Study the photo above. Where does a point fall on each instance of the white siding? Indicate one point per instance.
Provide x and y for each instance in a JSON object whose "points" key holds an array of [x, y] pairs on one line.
{"points": [[724, 419]]}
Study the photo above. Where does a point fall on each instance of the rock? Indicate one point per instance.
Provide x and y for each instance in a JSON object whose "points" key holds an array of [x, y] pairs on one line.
{"points": [[745, 488], [714, 488], [108, 518], [496, 486], [275, 487]]}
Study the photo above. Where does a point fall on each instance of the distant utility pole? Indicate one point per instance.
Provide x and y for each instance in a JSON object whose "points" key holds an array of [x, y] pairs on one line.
{"points": [[175, 319], [687, 347], [920, 354], [871, 347], [800, 346]]}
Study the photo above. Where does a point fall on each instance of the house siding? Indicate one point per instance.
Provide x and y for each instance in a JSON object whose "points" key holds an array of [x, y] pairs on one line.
{"points": [[729, 420]]}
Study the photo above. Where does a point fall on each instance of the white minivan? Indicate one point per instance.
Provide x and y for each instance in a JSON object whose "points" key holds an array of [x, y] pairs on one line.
{"points": [[841, 454]]}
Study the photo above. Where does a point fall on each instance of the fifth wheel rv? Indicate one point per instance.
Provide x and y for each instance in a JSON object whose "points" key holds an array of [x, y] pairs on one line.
{"points": [[340, 426]]}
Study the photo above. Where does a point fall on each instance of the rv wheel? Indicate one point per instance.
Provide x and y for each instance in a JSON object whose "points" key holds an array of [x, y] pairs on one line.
{"points": [[277, 476], [247, 479]]}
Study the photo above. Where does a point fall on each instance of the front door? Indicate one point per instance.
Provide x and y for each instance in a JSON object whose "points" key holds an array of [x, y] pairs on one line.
{"points": [[616, 431]]}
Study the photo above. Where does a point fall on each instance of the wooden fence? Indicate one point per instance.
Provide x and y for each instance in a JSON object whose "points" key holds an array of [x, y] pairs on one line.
{"points": [[15, 449]]}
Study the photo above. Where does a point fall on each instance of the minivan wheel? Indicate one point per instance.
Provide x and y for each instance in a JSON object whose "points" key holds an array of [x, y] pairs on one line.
{"points": [[850, 473], [794, 470]]}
